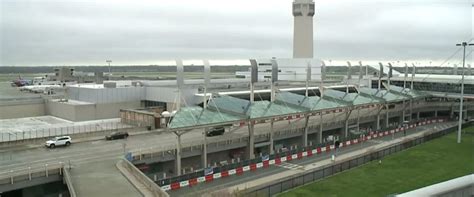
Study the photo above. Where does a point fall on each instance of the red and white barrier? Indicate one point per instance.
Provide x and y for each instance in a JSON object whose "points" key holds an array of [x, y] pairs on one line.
{"points": [[278, 160]]}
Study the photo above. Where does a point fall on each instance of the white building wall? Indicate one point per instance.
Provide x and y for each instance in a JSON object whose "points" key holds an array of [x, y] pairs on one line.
{"points": [[170, 94], [106, 95], [21, 110]]}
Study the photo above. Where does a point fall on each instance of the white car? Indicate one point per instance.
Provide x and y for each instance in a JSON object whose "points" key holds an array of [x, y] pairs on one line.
{"points": [[58, 141]]}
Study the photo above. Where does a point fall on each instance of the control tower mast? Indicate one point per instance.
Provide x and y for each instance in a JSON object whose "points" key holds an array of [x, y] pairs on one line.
{"points": [[303, 12]]}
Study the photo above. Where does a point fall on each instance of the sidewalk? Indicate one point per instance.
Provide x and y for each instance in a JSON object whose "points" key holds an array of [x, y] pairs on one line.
{"points": [[268, 180]]}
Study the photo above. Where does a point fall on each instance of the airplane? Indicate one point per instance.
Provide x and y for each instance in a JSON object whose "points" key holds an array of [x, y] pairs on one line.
{"points": [[20, 82]]}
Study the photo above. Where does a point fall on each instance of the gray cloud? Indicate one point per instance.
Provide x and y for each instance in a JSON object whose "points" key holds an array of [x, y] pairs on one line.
{"points": [[48, 32]]}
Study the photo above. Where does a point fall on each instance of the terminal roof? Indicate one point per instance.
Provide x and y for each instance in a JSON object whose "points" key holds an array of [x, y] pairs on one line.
{"points": [[227, 109]]}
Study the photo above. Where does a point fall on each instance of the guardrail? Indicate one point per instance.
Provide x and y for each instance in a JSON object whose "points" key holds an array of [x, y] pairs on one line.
{"points": [[67, 179], [31, 172], [151, 186]]}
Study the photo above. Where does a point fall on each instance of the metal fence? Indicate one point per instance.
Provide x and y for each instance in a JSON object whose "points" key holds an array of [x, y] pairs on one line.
{"points": [[325, 171], [31, 172], [47, 132]]}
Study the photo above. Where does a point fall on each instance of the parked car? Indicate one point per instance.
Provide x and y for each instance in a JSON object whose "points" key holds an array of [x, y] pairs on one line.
{"points": [[117, 135], [215, 131], [58, 141]]}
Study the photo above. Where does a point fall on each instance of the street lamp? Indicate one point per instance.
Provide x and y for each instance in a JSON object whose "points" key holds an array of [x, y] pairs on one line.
{"points": [[463, 44]]}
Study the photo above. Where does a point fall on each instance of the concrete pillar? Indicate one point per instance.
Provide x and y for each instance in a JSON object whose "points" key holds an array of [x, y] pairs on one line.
{"points": [[320, 133], [377, 124], [251, 145], [178, 156], [417, 115], [305, 134], [204, 150], [411, 109], [403, 113], [451, 113], [271, 137], [346, 124], [358, 120], [436, 113], [387, 117]]}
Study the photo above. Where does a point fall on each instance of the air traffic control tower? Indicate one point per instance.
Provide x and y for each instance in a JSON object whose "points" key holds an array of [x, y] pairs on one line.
{"points": [[303, 11]]}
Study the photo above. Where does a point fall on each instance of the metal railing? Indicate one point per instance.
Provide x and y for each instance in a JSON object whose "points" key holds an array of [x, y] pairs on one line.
{"points": [[76, 130], [31, 172], [151, 186], [68, 181]]}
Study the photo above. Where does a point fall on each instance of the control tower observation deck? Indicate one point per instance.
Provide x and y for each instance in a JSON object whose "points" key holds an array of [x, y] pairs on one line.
{"points": [[303, 12]]}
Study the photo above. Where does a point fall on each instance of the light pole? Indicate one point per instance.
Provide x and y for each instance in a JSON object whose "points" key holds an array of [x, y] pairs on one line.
{"points": [[109, 61], [463, 44]]}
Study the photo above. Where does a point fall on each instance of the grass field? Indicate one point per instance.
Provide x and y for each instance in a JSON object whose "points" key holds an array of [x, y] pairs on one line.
{"points": [[436, 161]]}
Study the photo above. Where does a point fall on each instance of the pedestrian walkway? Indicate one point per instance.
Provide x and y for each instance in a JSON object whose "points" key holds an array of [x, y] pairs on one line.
{"points": [[291, 166]]}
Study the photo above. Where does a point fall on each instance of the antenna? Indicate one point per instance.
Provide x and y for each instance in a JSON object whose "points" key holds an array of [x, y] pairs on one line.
{"points": [[323, 77], [207, 80], [179, 81], [308, 77], [380, 75], [349, 75]]}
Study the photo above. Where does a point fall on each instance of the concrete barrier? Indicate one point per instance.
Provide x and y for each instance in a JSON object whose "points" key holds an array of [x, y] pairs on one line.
{"points": [[30, 176], [68, 181], [138, 179]]}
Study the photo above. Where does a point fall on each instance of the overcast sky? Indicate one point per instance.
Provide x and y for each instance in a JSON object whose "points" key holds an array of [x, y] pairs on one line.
{"points": [[87, 32]]}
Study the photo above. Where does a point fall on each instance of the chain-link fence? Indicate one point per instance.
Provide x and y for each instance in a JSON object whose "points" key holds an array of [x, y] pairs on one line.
{"points": [[73, 130], [288, 183]]}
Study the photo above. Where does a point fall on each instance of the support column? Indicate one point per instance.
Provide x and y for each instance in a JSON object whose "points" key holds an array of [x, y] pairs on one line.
{"points": [[411, 109], [204, 150], [451, 112], [418, 115], [387, 117], [346, 124], [358, 120], [178, 156], [305, 134], [377, 124], [403, 112], [320, 133], [436, 113], [251, 145], [271, 138]]}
